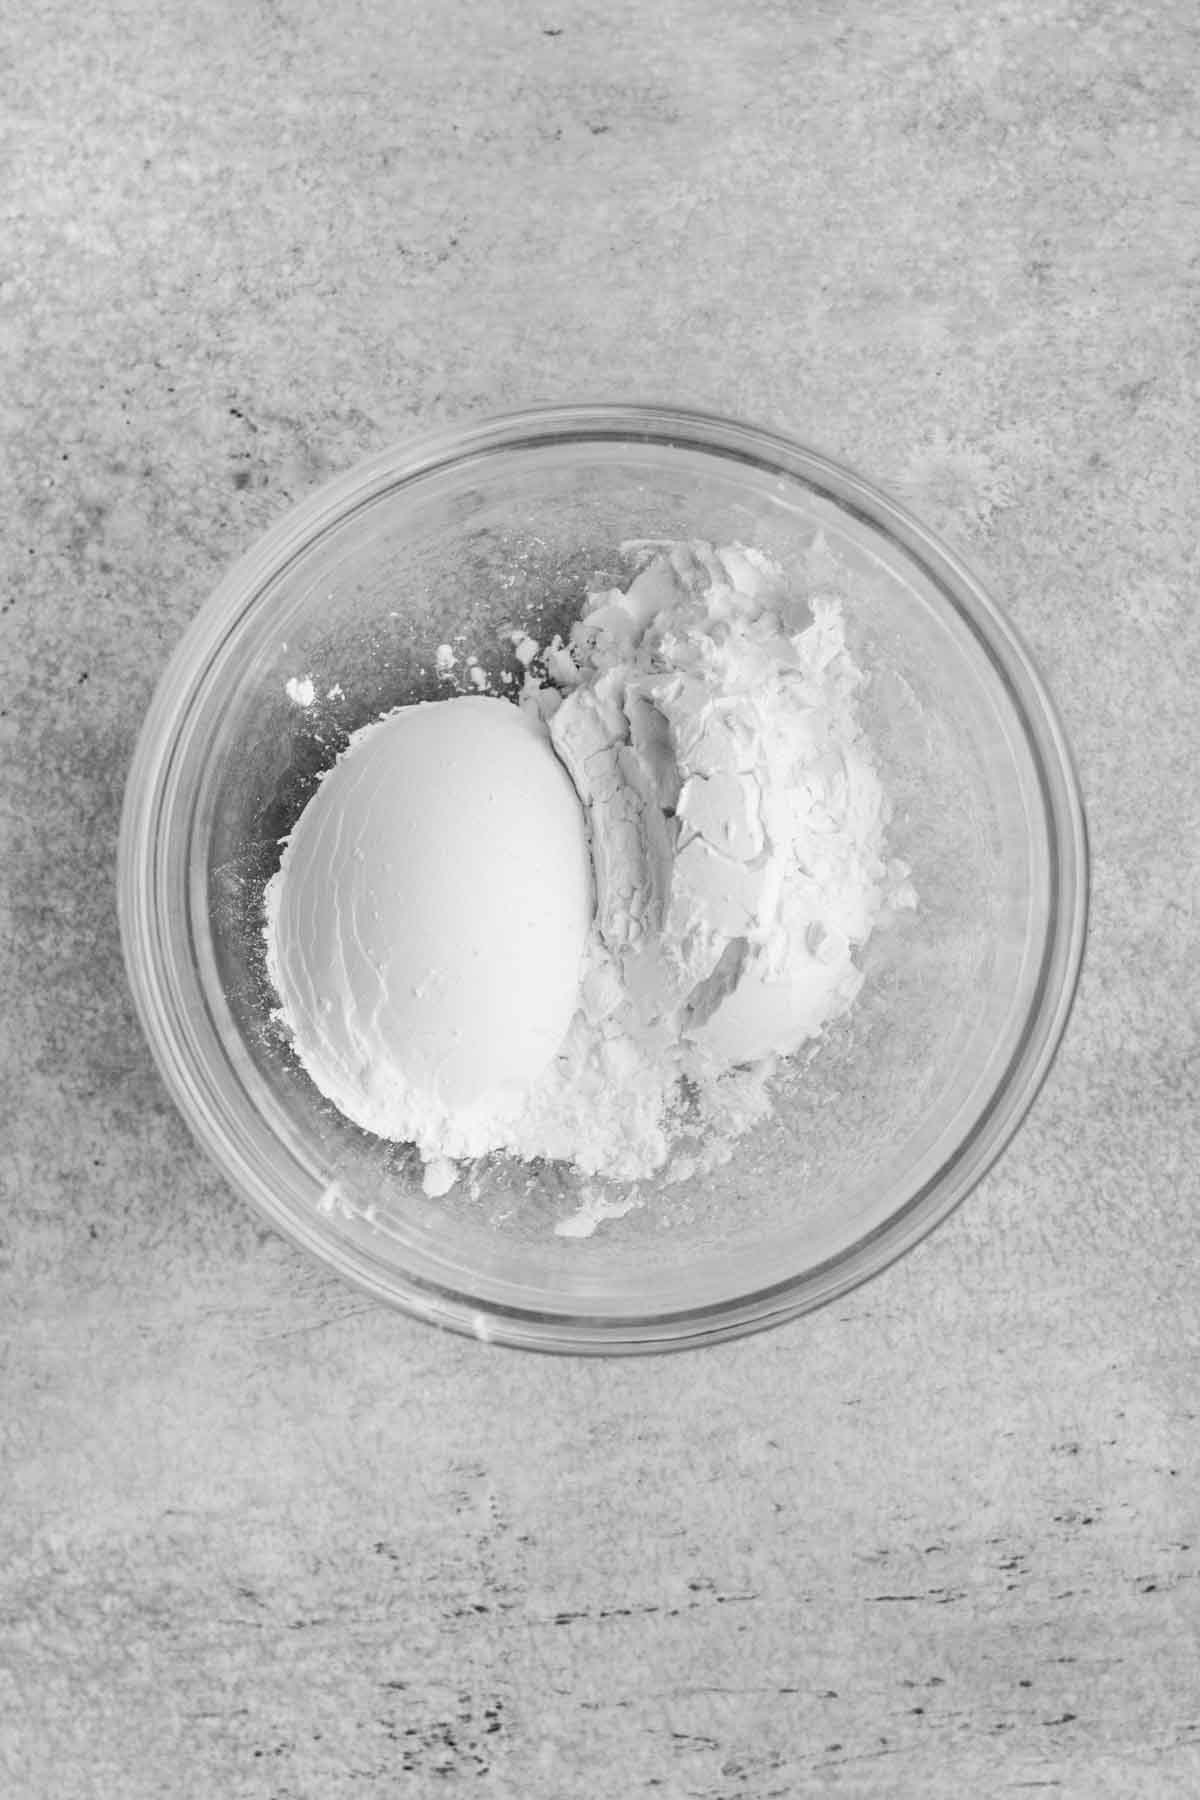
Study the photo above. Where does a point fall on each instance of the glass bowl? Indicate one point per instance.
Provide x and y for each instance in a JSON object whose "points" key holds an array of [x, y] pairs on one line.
{"points": [[337, 615]]}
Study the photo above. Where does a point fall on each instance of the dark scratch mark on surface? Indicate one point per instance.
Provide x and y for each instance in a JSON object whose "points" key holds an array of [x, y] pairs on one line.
{"points": [[571, 1617], [938, 1596], [295, 1331]]}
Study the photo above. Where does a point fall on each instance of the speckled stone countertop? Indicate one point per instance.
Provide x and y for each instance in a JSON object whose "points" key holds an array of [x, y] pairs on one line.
{"points": [[259, 1537]]}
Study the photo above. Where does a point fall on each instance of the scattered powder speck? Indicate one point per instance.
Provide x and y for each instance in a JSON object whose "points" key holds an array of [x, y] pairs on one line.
{"points": [[593, 1210], [300, 690]]}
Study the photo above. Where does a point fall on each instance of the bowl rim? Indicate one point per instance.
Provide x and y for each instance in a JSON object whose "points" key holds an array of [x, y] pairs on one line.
{"points": [[146, 927]]}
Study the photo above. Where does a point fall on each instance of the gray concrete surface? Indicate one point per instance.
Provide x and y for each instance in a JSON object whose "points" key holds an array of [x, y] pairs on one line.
{"points": [[260, 1538]]}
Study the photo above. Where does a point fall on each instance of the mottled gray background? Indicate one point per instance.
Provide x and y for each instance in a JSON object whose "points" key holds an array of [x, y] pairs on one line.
{"points": [[260, 1538]]}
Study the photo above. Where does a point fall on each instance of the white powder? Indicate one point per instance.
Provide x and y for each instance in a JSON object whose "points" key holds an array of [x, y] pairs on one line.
{"points": [[708, 719]]}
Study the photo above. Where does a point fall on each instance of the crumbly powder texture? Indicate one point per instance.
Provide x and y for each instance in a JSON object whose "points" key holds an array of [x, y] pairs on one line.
{"points": [[708, 718]]}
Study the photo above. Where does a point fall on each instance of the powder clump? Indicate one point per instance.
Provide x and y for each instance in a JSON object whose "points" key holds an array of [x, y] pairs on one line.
{"points": [[707, 716]]}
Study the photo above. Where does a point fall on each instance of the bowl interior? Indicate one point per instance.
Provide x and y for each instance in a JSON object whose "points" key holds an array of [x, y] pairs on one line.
{"points": [[871, 1132]]}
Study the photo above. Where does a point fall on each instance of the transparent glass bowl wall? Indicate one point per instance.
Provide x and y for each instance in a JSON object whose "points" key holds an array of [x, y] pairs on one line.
{"points": [[506, 525]]}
